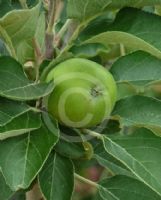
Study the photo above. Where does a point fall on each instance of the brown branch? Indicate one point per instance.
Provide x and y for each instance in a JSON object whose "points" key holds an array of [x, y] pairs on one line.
{"points": [[38, 57], [34, 193], [49, 32], [55, 9]]}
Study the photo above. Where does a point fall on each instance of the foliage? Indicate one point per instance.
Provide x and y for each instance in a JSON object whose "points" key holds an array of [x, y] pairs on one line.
{"points": [[120, 158]]}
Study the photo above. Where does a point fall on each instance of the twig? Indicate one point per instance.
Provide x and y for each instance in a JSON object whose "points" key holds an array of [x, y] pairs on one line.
{"points": [[55, 9], [34, 193], [122, 50], [52, 14], [84, 180], [93, 133], [49, 32], [38, 58]]}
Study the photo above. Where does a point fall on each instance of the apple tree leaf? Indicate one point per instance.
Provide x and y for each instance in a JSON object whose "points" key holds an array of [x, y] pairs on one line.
{"points": [[70, 149], [137, 68], [24, 123], [88, 50], [135, 29], [15, 85], [123, 187], [114, 166], [85, 9], [140, 153], [22, 157], [25, 50], [57, 178], [139, 111], [6, 192], [20, 24], [9, 5], [11, 109], [133, 3], [19, 195]]}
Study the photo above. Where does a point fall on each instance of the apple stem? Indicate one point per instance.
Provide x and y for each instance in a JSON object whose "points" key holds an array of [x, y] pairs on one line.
{"points": [[52, 11], [93, 133], [84, 180]]}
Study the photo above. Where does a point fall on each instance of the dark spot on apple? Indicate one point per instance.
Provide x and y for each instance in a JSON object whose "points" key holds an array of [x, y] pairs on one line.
{"points": [[96, 91]]}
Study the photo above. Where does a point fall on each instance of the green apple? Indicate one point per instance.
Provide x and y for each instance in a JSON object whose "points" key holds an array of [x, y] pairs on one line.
{"points": [[84, 94]]}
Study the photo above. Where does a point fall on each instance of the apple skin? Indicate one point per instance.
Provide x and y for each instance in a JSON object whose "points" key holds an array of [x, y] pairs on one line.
{"points": [[84, 94]]}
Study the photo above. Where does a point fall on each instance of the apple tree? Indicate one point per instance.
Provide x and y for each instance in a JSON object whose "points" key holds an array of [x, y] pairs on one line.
{"points": [[80, 99]]}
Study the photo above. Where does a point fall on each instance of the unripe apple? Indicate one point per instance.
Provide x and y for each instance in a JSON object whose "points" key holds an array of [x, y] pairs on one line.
{"points": [[84, 94]]}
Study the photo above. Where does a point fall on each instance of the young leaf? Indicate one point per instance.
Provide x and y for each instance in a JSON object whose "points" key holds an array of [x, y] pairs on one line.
{"points": [[140, 153], [24, 123], [135, 29], [15, 85], [123, 187], [22, 157], [20, 24], [138, 67], [140, 111], [57, 178], [25, 50]]}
